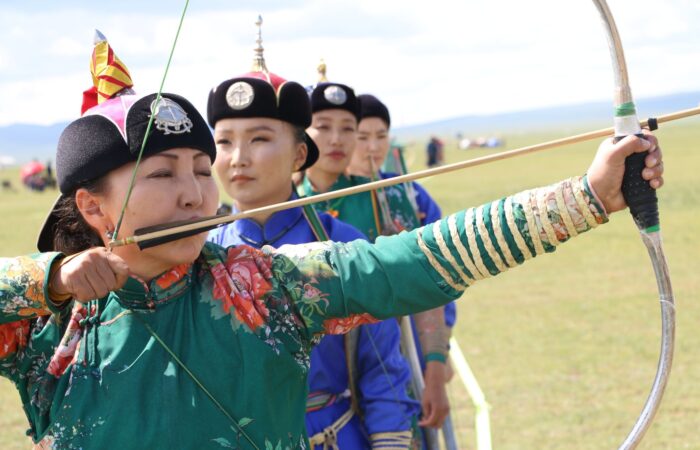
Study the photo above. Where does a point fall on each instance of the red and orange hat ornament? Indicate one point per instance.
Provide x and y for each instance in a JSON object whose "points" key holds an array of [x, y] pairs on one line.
{"points": [[110, 77]]}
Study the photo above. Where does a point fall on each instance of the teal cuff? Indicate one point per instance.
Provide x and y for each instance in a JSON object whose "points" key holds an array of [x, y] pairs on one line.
{"points": [[435, 356]]}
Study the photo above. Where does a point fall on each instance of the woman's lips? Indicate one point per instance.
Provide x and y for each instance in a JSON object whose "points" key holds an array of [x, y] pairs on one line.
{"points": [[336, 155], [241, 178]]}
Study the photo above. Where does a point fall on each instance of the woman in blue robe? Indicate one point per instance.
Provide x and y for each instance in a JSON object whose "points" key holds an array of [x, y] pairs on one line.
{"points": [[358, 382]]}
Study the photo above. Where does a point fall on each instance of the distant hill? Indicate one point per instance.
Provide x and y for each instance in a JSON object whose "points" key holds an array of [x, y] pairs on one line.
{"points": [[25, 142], [571, 116]]}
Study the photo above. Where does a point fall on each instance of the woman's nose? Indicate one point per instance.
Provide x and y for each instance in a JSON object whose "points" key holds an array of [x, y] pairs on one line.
{"points": [[239, 157], [191, 192]]}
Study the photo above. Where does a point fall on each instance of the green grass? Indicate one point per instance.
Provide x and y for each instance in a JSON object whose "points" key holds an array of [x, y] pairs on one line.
{"points": [[565, 348]]}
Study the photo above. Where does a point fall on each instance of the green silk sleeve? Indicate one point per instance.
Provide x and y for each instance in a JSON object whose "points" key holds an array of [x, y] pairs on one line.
{"points": [[24, 286], [23, 297], [346, 285]]}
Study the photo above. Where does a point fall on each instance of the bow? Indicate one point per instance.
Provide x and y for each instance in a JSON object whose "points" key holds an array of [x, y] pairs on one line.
{"points": [[640, 197], [643, 205]]}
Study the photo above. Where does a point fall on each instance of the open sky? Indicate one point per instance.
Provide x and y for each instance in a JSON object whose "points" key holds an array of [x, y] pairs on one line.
{"points": [[427, 60]]}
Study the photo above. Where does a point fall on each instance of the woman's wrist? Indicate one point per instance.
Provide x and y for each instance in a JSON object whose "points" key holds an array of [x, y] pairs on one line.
{"points": [[435, 357], [57, 297]]}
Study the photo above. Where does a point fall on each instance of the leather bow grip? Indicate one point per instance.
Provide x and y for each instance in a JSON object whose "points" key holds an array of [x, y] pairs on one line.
{"points": [[638, 193]]}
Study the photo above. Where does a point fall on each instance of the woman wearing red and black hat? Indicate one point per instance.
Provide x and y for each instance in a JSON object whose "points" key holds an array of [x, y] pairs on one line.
{"points": [[191, 345], [357, 382]]}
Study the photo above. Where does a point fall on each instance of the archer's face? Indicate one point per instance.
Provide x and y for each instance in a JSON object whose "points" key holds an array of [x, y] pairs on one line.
{"points": [[372, 146], [334, 132], [255, 160], [175, 184]]}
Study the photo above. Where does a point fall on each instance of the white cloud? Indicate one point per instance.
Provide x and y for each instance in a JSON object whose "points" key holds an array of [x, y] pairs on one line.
{"points": [[52, 100], [65, 46], [426, 60]]}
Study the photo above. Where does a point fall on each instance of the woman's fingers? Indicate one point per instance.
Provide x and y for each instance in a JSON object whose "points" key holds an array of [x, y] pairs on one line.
{"points": [[119, 268], [89, 275], [607, 170], [84, 288], [654, 170]]}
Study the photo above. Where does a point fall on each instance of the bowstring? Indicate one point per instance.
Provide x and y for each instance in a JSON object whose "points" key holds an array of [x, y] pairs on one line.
{"points": [[150, 124]]}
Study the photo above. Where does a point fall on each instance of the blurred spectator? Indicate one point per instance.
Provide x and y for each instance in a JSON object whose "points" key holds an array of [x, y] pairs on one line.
{"points": [[435, 152]]}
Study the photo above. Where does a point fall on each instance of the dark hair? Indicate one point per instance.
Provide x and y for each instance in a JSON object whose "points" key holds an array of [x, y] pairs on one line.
{"points": [[299, 138], [299, 134], [72, 234]]}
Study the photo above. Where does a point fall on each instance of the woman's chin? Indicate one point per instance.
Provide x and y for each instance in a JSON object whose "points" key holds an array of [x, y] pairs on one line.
{"points": [[183, 251], [338, 170]]}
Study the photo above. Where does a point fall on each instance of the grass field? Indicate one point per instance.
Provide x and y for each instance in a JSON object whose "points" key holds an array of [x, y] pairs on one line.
{"points": [[564, 348]]}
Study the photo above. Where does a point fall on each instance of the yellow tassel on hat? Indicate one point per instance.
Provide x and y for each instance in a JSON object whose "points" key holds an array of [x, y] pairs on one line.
{"points": [[109, 75]]}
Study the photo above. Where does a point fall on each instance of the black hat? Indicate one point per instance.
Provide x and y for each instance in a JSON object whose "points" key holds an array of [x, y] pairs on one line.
{"points": [[371, 106], [251, 97], [111, 134], [334, 96]]}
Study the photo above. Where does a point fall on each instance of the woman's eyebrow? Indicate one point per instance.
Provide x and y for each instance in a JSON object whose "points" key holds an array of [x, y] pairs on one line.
{"points": [[166, 155], [259, 128]]}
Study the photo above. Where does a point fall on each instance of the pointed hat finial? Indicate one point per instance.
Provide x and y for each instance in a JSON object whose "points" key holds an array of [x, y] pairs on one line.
{"points": [[259, 69], [321, 69], [259, 60], [99, 37]]}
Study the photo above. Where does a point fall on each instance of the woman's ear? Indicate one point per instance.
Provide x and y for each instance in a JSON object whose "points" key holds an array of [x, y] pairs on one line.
{"points": [[90, 207], [300, 157]]}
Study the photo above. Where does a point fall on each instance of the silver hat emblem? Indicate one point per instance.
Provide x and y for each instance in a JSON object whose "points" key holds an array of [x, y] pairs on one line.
{"points": [[335, 95], [170, 118], [240, 95]]}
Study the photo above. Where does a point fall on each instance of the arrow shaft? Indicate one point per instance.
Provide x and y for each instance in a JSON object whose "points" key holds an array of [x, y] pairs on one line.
{"points": [[407, 178]]}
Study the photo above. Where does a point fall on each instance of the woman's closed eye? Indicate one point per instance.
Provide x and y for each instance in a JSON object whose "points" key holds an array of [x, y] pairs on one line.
{"points": [[162, 173], [260, 139]]}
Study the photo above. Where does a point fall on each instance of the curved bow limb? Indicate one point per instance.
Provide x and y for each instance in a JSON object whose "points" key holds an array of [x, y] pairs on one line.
{"points": [[643, 204]]}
